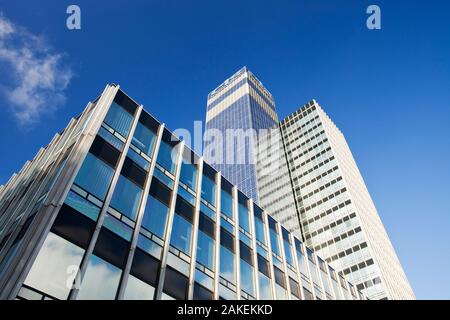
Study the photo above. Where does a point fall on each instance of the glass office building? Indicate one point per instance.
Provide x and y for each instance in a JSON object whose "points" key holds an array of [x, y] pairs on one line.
{"points": [[239, 108], [116, 207], [326, 202]]}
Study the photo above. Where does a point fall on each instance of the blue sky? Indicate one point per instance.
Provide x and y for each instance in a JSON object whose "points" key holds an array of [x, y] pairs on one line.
{"points": [[387, 90]]}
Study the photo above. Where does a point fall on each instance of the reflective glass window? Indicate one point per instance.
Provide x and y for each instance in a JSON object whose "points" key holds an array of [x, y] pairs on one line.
{"points": [[247, 277], [288, 252], [181, 234], [259, 230], [208, 190], [126, 197], [155, 217], [244, 218], [205, 250], [119, 119], [275, 245], [49, 272], [188, 175], [265, 289], [82, 205], [144, 139], [226, 204], [167, 157], [227, 265], [138, 290], [101, 280], [94, 176]]}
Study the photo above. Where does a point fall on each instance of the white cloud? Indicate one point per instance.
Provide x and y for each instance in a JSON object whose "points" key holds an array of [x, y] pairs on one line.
{"points": [[35, 75]]}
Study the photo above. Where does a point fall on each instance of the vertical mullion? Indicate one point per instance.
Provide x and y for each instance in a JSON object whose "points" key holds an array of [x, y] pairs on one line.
{"points": [[237, 255], [297, 267], [319, 274], [170, 217], [283, 257], [218, 216], [254, 253], [330, 284], [269, 253], [140, 215], [311, 282], [195, 229]]}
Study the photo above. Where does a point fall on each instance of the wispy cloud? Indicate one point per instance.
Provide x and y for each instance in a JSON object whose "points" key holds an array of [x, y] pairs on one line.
{"points": [[33, 75]]}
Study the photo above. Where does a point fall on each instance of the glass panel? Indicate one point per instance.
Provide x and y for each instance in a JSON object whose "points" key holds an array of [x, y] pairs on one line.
{"points": [[203, 279], [155, 217], [302, 264], [208, 211], [167, 157], [181, 234], [244, 221], [163, 178], [186, 195], [260, 233], [119, 119], [313, 270], [94, 176], [287, 252], [126, 197], [265, 290], [227, 270], [100, 281], [144, 139], [205, 250], [201, 293], [149, 246], [226, 225], [188, 175], [118, 227], [112, 139], [325, 282], [175, 284], [82, 205], [138, 290], [226, 204], [274, 242], [247, 278], [208, 190], [57, 263], [226, 293], [133, 155]]}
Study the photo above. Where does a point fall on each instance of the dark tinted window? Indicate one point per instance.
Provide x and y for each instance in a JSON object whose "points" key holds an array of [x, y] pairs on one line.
{"points": [[206, 225], [295, 289], [103, 150], [160, 191], [133, 172], [226, 239], [175, 284], [184, 209], [111, 248], [125, 102], [145, 267], [201, 293], [279, 277], [73, 226], [246, 253], [263, 265]]}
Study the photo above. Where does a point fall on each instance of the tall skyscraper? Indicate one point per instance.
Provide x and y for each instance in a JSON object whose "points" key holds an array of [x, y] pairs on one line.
{"points": [[309, 181], [238, 109], [117, 207]]}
